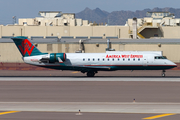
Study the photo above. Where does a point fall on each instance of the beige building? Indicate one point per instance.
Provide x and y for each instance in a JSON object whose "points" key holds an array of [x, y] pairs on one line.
{"points": [[9, 52], [60, 25], [54, 18], [100, 32], [157, 25], [65, 25]]}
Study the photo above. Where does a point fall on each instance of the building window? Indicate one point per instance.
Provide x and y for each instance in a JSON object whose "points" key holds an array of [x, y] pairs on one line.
{"points": [[155, 35], [49, 47], [24, 23]]}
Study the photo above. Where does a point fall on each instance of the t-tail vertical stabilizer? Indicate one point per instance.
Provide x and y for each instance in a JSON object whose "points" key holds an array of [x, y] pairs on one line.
{"points": [[25, 46]]}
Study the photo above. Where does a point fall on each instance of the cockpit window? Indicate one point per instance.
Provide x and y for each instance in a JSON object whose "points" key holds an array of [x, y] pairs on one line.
{"points": [[165, 57], [160, 57]]}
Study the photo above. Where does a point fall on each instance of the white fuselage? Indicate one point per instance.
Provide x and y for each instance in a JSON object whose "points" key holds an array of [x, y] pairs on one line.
{"points": [[117, 59]]}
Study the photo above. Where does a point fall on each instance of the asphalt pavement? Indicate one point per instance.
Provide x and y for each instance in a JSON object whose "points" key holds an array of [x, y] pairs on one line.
{"points": [[109, 95]]}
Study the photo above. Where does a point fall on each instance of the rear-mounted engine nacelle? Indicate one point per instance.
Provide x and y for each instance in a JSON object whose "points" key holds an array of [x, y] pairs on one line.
{"points": [[54, 57]]}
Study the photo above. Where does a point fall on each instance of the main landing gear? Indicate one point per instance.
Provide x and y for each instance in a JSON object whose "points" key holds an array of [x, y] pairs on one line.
{"points": [[163, 73], [91, 73]]}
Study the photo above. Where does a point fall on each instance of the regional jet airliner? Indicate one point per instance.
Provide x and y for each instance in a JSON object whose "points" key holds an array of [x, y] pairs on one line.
{"points": [[91, 63]]}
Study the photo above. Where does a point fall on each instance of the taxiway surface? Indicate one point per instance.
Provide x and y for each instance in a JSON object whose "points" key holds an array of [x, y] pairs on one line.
{"points": [[103, 97], [59, 73], [89, 91]]}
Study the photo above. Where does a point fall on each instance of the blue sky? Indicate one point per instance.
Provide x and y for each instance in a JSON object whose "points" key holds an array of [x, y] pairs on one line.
{"points": [[30, 8]]}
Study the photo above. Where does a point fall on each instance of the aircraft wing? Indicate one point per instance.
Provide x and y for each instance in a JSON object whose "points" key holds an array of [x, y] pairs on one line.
{"points": [[95, 67]]}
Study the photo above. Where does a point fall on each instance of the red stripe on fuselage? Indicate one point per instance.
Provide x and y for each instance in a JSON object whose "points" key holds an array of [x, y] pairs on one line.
{"points": [[130, 65]]}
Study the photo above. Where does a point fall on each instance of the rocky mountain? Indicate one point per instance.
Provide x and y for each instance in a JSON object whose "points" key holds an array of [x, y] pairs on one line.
{"points": [[118, 17], [93, 15]]}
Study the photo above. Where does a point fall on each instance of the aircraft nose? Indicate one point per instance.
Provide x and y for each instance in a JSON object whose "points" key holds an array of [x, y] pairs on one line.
{"points": [[173, 64]]}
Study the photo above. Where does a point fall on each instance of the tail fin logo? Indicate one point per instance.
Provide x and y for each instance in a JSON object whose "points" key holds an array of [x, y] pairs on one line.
{"points": [[26, 46]]}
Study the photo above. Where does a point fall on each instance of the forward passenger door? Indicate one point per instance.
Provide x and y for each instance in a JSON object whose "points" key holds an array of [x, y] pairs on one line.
{"points": [[145, 61]]}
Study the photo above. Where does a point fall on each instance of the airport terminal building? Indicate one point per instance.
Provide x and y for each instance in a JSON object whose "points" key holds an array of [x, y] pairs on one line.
{"points": [[65, 25]]}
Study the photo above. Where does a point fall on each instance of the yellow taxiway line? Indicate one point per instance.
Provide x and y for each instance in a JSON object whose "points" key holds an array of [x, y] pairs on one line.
{"points": [[8, 112], [157, 116]]}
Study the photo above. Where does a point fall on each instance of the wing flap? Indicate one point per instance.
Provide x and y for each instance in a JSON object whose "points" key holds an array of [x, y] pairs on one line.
{"points": [[97, 67]]}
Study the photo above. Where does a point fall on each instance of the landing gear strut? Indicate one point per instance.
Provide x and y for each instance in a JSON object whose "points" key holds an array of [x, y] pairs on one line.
{"points": [[163, 73], [91, 74]]}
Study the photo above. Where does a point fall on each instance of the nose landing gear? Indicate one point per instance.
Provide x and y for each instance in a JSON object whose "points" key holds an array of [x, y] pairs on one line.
{"points": [[163, 73]]}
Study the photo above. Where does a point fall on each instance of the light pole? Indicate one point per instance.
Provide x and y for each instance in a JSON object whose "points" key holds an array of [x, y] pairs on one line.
{"points": [[14, 19]]}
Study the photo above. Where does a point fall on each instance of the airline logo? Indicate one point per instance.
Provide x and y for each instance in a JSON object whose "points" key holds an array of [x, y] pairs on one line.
{"points": [[124, 56], [26, 46]]}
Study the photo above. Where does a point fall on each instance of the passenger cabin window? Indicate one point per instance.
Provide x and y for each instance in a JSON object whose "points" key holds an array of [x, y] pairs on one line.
{"points": [[138, 59], [83, 59], [113, 59], [134, 59], [123, 59], [118, 59], [128, 59], [103, 59], [88, 59], [93, 59], [160, 57], [108, 59], [98, 59]]}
